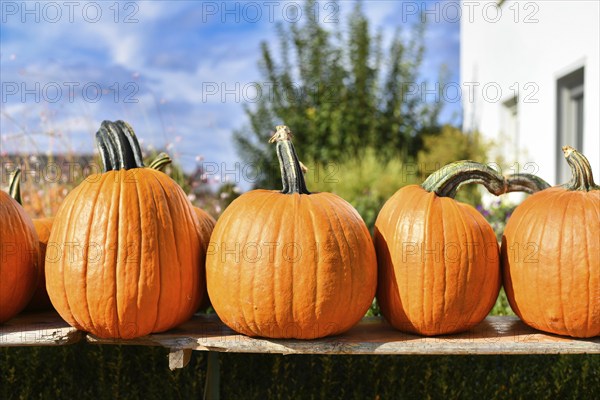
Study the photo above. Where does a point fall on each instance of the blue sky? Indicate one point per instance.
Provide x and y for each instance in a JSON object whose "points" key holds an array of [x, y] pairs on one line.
{"points": [[160, 54]]}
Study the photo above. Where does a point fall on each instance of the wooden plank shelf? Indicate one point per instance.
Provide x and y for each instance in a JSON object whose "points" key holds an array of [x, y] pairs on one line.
{"points": [[495, 335], [38, 329]]}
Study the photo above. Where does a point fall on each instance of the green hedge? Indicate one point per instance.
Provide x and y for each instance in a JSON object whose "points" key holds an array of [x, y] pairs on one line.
{"points": [[97, 372]]}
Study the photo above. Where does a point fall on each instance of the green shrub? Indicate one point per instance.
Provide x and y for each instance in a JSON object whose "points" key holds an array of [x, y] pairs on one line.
{"points": [[365, 182]]}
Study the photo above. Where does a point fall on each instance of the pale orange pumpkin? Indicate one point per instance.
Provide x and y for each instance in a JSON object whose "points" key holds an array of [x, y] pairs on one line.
{"points": [[290, 264], [124, 257], [551, 255]]}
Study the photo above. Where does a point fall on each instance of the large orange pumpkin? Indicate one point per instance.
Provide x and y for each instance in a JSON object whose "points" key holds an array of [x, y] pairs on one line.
{"points": [[551, 255], [124, 257], [439, 268], [19, 265], [290, 264]]}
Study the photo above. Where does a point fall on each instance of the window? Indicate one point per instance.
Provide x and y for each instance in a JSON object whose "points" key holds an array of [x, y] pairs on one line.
{"points": [[569, 95]]}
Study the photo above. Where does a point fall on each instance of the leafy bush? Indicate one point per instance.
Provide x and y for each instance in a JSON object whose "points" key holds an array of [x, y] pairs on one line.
{"points": [[365, 182]]}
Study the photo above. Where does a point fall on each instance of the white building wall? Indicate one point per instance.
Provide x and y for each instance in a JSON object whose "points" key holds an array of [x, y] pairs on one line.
{"points": [[531, 43]]}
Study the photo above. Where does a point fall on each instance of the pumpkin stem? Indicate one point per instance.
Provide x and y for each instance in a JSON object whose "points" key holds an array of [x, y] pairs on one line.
{"points": [[292, 175], [447, 180], [14, 188], [160, 162], [118, 145], [527, 183], [581, 178]]}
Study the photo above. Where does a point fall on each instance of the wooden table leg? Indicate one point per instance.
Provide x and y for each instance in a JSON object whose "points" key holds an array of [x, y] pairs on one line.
{"points": [[213, 377]]}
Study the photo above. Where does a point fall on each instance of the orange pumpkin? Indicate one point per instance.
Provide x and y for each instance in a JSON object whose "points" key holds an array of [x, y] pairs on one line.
{"points": [[439, 269], [124, 257], [551, 255], [290, 264], [207, 222], [19, 269], [40, 300]]}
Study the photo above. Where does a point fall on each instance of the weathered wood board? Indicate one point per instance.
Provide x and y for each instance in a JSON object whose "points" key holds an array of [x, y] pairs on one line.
{"points": [[495, 335], [38, 329]]}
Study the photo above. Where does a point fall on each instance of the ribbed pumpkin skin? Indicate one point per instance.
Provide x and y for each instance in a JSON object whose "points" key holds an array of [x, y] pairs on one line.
{"points": [[305, 267], [138, 266], [19, 269], [551, 262], [40, 300], [438, 263]]}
